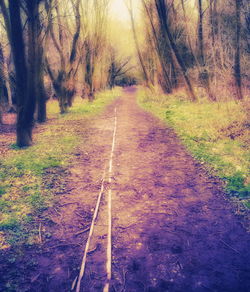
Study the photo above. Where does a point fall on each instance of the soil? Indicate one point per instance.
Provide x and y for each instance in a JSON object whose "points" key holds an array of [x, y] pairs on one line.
{"points": [[172, 227]]}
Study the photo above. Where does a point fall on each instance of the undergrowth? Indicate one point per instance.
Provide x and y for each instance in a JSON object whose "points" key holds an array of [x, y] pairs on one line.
{"points": [[217, 134], [23, 191]]}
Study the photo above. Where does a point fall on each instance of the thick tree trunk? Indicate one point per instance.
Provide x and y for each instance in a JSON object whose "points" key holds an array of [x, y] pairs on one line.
{"points": [[237, 61], [24, 136], [25, 101], [41, 103]]}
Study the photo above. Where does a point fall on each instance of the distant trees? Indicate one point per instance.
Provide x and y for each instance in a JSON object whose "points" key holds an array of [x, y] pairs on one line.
{"points": [[197, 42], [117, 68]]}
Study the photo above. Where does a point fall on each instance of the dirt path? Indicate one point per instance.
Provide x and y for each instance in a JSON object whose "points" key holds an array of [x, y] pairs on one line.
{"points": [[172, 230]]}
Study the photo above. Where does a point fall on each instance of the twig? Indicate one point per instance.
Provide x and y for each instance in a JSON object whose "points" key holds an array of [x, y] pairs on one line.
{"points": [[230, 246], [35, 278], [74, 284], [79, 215], [83, 231], [92, 250], [65, 244], [63, 205], [124, 279], [40, 233], [57, 212], [121, 227]]}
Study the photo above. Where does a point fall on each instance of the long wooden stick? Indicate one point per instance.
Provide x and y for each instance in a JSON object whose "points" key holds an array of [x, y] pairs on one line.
{"points": [[109, 246], [90, 235]]}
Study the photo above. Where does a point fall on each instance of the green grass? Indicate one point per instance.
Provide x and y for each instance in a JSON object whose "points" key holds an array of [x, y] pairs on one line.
{"points": [[217, 134], [23, 196]]}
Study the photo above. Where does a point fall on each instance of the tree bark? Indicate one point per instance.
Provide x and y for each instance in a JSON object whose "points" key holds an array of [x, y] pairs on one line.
{"points": [[237, 61], [41, 92], [144, 70], [25, 101], [63, 79], [167, 87], [162, 13], [41, 95], [203, 74], [2, 84]]}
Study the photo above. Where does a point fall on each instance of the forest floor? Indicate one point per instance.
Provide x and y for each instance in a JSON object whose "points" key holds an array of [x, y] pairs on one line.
{"points": [[172, 227]]}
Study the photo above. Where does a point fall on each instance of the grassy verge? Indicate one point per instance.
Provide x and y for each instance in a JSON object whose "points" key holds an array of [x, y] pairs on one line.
{"points": [[217, 134], [24, 193]]}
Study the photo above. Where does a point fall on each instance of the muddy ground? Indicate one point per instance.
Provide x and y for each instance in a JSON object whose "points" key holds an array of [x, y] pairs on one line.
{"points": [[172, 230]]}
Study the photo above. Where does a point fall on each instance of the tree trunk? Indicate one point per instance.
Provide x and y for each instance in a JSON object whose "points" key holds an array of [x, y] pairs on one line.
{"points": [[144, 70], [162, 13], [212, 39], [1, 116], [167, 87], [25, 101], [203, 74], [237, 65], [89, 70], [200, 35], [187, 29], [41, 101], [40, 89], [2, 79]]}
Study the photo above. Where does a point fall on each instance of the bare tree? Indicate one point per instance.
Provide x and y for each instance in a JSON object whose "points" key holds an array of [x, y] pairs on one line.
{"points": [[203, 74], [144, 70], [167, 87], [237, 59], [162, 14], [117, 68], [63, 77]]}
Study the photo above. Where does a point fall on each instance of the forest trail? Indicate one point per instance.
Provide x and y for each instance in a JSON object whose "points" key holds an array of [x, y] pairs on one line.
{"points": [[172, 230]]}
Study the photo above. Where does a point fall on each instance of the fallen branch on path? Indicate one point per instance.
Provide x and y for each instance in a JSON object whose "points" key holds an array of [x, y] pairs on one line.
{"points": [[121, 227], [83, 231], [93, 250], [64, 245], [66, 204], [58, 213], [74, 283], [79, 215], [230, 246], [35, 278], [40, 233]]}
